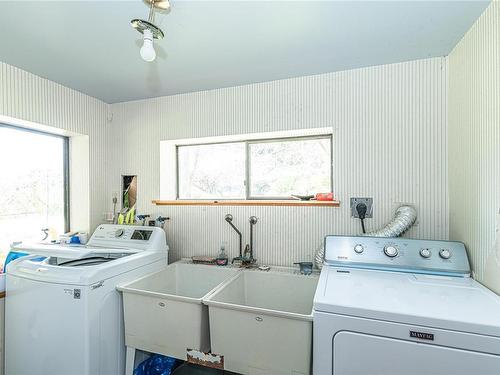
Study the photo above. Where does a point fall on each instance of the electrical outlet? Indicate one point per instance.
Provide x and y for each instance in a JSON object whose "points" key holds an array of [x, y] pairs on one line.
{"points": [[369, 206]]}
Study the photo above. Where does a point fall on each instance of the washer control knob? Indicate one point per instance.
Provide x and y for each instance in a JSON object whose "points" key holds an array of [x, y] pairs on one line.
{"points": [[391, 251], [119, 233], [359, 248], [445, 253], [425, 253]]}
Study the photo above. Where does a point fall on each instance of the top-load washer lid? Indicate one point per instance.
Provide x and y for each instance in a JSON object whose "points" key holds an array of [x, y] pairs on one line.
{"points": [[68, 252], [84, 271], [453, 303], [52, 250], [93, 259]]}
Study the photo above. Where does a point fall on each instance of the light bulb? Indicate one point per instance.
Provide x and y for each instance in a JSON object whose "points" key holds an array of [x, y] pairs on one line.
{"points": [[147, 50]]}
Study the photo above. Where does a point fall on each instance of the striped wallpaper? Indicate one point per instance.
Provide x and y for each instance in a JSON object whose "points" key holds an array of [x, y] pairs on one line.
{"points": [[390, 143], [474, 137], [28, 97]]}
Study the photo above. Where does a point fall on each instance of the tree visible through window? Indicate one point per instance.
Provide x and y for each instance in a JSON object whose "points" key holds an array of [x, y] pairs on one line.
{"points": [[212, 171], [255, 169], [32, 185]]}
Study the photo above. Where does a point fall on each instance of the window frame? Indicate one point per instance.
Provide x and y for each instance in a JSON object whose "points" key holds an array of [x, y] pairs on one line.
{"points": [[65, 139], [247, 166]]}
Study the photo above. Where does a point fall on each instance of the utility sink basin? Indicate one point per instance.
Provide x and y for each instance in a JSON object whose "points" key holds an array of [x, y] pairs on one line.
{"points": [[163, 312], [261, 322]]}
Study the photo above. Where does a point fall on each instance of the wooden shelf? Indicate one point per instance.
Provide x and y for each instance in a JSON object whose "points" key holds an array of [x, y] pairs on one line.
{"points": [[293, 203]]}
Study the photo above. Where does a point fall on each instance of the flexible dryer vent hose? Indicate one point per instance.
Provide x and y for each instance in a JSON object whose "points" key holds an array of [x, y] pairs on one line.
{"points": [[403, 220]]}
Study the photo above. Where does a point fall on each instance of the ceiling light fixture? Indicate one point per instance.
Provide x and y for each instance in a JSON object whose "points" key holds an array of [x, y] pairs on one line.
{"points": [[149, 30]]}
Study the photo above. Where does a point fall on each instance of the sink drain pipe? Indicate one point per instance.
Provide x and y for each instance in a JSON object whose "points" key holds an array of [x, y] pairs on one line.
{"points": [[404, 218]]}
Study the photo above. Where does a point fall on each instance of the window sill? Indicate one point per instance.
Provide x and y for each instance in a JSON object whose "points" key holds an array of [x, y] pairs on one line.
{"points": [[292, 203]]}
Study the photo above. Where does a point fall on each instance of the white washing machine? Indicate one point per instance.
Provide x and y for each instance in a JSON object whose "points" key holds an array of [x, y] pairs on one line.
{"points": [[63, 314], [394, 306]]}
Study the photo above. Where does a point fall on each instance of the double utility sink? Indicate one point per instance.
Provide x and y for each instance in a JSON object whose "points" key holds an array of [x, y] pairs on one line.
{"points": [[259, 322]]}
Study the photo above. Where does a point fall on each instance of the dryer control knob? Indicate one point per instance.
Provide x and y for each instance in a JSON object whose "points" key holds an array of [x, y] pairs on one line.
{"points": [[359, 248], [445, 253], [391, 251], [425, 253], [119, 233]]}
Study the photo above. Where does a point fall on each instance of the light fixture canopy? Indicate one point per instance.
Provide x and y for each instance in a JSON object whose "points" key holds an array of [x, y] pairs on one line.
{"points": [[142, 25], [148, 28]]}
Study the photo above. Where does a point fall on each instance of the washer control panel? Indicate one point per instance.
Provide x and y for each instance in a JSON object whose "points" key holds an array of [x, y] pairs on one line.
{"points": [[129, 236], [398, 254]]}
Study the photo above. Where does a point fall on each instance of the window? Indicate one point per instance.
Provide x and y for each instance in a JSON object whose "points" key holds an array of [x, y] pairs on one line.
{"points": [[255, 169], [33, 184], [211, 171]]}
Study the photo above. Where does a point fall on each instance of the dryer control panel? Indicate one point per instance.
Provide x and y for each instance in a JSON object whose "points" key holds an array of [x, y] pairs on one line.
{"points": [[398, 254]]}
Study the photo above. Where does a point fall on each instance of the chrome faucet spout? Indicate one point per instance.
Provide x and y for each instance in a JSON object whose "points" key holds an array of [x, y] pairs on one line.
{"points": [[229, 219]]}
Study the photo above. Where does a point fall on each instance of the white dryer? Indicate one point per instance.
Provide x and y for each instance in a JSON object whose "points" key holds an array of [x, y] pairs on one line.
{"points": [[396, 306], [63, 314]]}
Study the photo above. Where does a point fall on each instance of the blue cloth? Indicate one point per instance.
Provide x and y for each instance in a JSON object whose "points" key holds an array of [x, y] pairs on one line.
{"points": [[157, 365]]}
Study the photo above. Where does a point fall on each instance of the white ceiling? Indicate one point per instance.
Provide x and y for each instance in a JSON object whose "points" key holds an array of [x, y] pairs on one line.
{"points": [[91, 47]]}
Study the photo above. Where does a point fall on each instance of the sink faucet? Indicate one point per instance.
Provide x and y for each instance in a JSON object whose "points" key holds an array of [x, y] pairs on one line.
{"points": [[229, 219], [253, 220], [246, 258]]}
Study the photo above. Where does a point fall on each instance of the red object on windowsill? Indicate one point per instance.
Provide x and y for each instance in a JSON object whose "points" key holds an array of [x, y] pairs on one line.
{"points": [[324, 197]]}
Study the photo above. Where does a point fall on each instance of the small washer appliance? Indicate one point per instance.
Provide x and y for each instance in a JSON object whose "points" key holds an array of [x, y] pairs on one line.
{"points": [[63, 313], [402, 306]]}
